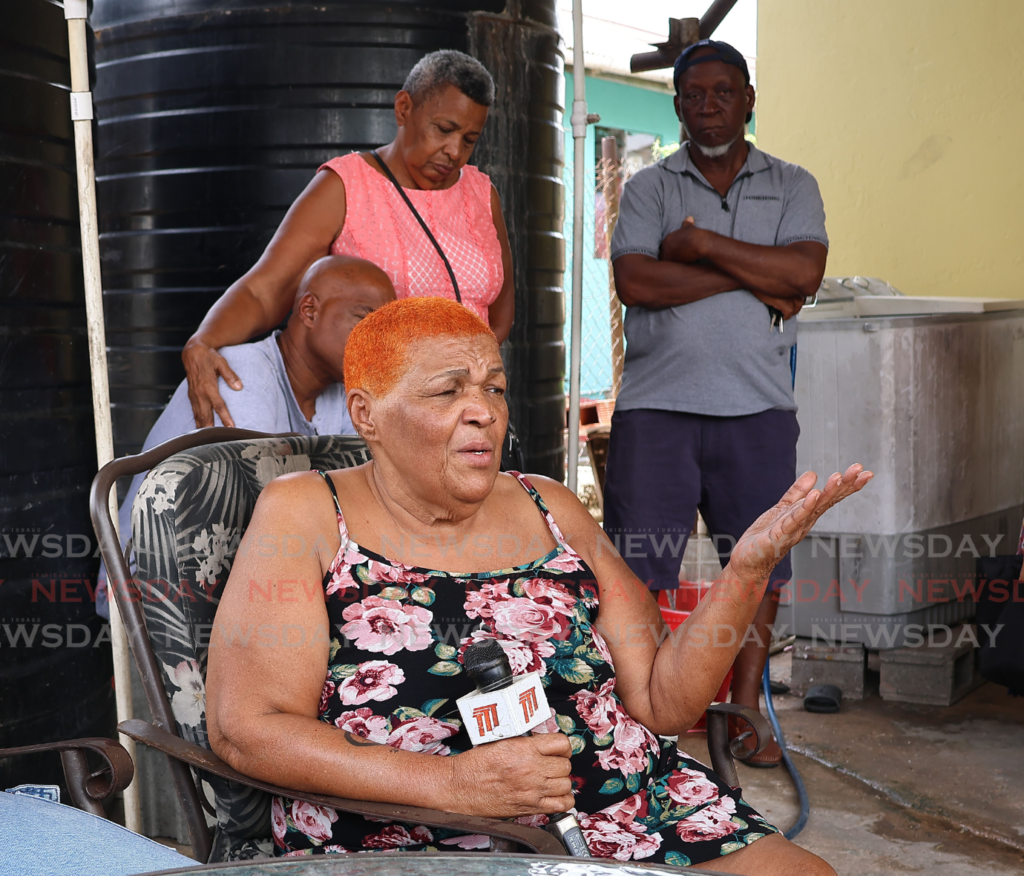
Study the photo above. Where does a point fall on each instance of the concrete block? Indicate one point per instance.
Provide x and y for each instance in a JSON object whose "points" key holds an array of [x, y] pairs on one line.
{"points": [[841, 665], [936, 673]]}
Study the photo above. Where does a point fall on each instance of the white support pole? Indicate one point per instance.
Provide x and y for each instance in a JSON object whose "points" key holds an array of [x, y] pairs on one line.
{"points": [[75, 12], [579, 120]]}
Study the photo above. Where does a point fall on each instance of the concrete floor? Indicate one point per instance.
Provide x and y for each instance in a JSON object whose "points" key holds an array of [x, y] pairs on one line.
{"points": [[899, 788]]}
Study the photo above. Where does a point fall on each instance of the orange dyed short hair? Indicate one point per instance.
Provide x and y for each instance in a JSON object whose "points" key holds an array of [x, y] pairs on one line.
{"points": [[376, 355]]}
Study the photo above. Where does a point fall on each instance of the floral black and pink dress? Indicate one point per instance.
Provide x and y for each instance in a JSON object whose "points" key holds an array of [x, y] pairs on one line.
{"points": [[395, 671]]}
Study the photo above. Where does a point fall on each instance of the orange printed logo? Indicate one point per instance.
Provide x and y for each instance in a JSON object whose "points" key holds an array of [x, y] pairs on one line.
{"points": [[486, 718], [528, 700]]}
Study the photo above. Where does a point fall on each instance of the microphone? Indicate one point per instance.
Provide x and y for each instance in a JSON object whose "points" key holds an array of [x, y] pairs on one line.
{"points": [[503, 706], [487, 664]]}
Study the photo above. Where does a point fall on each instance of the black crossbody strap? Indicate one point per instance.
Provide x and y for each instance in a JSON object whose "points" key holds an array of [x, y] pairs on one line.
{"points": [[419, 218]]}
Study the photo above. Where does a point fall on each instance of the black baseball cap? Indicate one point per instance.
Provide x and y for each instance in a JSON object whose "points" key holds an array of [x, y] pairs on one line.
{"points": [[722, 52]]}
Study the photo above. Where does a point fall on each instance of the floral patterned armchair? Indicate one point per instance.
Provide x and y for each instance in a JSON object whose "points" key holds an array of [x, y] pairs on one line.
{"points": [[187, 522]]}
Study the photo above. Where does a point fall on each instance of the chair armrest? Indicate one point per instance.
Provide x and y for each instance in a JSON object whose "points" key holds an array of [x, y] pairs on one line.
{"points": [[722, 750], [758, 726], [87, 788], [534, 838]]}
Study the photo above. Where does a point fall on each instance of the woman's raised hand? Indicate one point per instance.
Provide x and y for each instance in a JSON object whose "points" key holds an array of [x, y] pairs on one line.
{"points": [[783, 526], [203, 365], [528, 775]]}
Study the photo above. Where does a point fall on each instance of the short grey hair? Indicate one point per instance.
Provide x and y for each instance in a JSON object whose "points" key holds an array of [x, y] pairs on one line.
{"points": [[448, 67]]}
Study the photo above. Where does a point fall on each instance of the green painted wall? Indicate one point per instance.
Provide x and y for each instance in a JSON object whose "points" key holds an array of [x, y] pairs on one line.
{"points": [[634, 109], [629, 107]]}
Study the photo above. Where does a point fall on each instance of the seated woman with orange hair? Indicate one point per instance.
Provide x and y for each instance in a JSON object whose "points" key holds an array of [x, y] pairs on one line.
{"points": [[427, 549]]}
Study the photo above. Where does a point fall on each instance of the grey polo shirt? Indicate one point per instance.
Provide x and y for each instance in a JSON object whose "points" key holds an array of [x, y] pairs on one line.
{"points": [[715, 356]]}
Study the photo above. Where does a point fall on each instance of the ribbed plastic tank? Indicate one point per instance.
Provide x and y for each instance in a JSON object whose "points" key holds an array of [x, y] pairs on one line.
{"points": [[212, 120], [522, 149], [49, 689]]}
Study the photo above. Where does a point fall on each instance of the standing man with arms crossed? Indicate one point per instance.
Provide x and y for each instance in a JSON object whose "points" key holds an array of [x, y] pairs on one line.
{"points": [[715, 250]]}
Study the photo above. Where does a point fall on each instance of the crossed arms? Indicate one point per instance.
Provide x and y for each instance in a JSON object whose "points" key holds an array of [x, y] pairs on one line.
{"points": [[696, 263]]}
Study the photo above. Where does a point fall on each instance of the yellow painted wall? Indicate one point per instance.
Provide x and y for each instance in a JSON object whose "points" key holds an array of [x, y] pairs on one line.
{"points": [[910, 113]]}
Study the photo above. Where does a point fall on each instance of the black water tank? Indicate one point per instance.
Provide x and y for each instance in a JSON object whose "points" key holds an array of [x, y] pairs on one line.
{"points": [[523, 151], [48, 689], [211, 121]]}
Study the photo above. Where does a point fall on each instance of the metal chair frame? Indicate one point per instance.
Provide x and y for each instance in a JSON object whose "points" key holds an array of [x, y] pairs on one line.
{"points": [[88, 787]]}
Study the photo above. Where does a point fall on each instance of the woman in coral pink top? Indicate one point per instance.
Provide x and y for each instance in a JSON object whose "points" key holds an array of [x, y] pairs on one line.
{"points": [[351, 207]]}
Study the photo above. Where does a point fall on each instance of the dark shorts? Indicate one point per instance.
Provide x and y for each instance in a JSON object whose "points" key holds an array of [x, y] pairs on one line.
{"points": [[663, 466]]}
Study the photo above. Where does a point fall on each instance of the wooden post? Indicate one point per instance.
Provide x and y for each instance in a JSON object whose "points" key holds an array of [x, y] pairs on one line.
{"points": [[611, 187], [75, 11]]}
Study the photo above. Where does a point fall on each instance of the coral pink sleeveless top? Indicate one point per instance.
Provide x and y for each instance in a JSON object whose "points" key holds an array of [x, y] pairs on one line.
{"points": [[380, 228]]}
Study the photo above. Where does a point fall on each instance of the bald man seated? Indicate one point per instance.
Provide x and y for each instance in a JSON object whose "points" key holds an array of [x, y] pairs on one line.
{"points": [[292, 380]]}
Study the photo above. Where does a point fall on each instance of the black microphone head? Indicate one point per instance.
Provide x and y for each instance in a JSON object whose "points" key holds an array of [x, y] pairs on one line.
{"points": [[486, 665]]}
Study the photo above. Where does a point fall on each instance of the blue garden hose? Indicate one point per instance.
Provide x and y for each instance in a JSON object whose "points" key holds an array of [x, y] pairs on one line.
{"points": [[794, 774]]}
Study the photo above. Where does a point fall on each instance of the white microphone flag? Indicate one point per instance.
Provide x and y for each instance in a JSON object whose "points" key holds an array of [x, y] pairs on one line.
{"points": [[505, 713]]}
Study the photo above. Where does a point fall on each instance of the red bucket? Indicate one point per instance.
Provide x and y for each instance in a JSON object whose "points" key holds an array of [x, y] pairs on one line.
{"points": [[686, 599]]}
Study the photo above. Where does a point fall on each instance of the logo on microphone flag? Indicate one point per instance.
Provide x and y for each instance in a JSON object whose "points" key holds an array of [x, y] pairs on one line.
{"points": [[505, 713], [486, 718], [528, 700]]}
